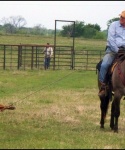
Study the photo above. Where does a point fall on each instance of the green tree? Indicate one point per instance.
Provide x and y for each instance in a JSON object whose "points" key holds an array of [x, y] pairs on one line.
{"points": [[90, 30], [79, 28], [13, 23], [97, 27], [9, 28], [100, 35], [69, 30]]}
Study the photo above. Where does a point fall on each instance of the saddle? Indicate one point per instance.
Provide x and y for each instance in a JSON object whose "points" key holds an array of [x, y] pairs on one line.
{"points": [[118, 60], [120, 56]]}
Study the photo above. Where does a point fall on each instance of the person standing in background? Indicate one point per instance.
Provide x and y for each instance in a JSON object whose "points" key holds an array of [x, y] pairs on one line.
{"points": [[48, 53]]}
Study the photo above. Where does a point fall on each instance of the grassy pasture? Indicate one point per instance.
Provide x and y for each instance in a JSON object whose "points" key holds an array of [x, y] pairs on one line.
{"points": [[54, 109], [80, 43]]}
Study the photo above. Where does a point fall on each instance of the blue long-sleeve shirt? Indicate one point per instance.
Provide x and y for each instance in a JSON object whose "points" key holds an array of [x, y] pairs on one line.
{"points": [[116, 36]]}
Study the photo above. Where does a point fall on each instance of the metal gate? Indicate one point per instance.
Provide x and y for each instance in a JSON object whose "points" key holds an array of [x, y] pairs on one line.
{"points": [[24, 57]]}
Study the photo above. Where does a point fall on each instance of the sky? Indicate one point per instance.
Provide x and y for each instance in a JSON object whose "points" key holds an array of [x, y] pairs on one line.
{"points": [[45, 13]]}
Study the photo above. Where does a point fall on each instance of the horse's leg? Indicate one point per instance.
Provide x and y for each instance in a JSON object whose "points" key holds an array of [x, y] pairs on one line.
{"points": [[103, 106], [103, 115], [112, 116], [102, 121], [115, 112]]}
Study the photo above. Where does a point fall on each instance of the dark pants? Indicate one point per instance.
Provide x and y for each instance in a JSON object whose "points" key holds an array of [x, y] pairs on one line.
{"points": [[47, 62]]}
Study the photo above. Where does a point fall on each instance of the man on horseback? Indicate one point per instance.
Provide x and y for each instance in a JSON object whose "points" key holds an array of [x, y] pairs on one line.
{"points": [[115, 40]]}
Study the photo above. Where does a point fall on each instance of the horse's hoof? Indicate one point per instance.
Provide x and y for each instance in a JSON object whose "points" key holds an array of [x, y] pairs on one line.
{"points": [[102, 127], [115, 131], [112, 127]]}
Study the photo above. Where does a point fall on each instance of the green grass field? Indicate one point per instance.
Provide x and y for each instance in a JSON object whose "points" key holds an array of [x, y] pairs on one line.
{"points": [[55, 109], [79, 43]]}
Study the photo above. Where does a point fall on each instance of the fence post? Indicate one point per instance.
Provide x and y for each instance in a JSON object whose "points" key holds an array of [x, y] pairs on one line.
{"points": [[72, 58], [19, 56], [4, 57], [54, 53], [32, 58]]}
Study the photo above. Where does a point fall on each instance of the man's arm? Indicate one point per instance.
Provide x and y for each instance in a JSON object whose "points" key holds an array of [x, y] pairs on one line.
{"points": [[112, 38], [43, 50]]}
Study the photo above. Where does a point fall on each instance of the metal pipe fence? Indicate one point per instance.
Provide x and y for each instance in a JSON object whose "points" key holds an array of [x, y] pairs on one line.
{"points": [[23, 57]]}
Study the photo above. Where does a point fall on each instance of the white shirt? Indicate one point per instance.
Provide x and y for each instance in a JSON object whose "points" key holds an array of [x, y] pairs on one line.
{"points": [[48, 51]]}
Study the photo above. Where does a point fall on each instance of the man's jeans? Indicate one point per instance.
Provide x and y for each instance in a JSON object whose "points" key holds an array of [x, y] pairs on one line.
{"points": [[107, 61], [47, 62]]}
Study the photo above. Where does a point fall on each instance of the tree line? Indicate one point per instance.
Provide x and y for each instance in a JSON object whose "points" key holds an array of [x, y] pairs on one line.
{"points": [[16, 25]]}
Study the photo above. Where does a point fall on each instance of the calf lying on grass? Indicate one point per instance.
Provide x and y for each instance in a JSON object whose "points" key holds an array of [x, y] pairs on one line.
{"points": [[3, 107]]}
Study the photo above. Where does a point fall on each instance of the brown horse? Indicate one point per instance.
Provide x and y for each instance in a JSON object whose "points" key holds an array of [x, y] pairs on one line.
{"points": [[115, 90]]}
